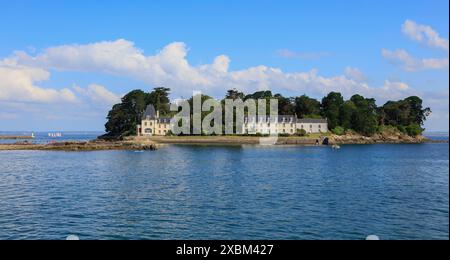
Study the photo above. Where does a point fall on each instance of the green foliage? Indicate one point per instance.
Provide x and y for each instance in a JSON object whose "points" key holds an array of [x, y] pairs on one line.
{"points": [[404, 112], [414, 129], [301, 132], [306, 106], [123, 118], [159, 98], [364, 119], [338, 130], [283, 135], [286, 106], [347, 112], [234, 94], [331, 106], [313, 116], [359, 113], [402, 129]]}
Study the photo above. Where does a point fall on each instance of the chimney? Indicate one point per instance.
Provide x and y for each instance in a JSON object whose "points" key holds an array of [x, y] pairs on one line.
{"points": [[157, 114]]}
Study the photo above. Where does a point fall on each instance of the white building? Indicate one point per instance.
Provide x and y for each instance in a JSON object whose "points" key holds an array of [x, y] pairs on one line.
{"points": [[152, 124], [283, 125]]}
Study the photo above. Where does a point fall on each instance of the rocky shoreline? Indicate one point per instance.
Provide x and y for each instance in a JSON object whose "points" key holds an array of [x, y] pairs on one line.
{"points": [[15, 137], [75, 146], [396, 138], [154, 143]]}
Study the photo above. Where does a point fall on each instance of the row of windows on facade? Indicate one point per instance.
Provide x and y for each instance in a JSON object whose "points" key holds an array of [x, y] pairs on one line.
{"points": [[149, 131], [267, 120], [284, 125], [269, 131], [151, 124]]}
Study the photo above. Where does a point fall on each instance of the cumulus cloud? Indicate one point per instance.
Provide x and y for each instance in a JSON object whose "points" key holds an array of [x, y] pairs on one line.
{"points": [[122, 58], [409, 63], [355, 73], [424, 34], [18, 83], [170, 67], [98, 94]]}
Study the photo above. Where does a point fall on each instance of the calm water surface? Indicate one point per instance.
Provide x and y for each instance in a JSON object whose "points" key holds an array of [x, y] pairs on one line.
{"points": [[194, 192]]}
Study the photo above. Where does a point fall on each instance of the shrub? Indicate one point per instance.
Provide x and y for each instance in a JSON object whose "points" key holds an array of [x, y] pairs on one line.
{"points": [[414, 130], [283, 135], [338, 130], [402, 129], [301, 132]]}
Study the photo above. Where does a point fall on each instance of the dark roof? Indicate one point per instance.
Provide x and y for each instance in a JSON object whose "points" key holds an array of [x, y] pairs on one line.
{"points": [[313, 121], [286, 119], [164, 120], [150, 112]]}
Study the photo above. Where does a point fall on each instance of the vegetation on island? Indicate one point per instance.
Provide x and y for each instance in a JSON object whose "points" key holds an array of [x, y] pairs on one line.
{"points": [[358, 114]]}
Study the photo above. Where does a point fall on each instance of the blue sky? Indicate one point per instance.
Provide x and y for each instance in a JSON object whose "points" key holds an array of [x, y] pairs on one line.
{"points": [[359, 43]]}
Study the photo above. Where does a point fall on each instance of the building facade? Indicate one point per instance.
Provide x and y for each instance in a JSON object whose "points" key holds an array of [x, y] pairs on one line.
{"points": [[283, 125], [152, 124]]}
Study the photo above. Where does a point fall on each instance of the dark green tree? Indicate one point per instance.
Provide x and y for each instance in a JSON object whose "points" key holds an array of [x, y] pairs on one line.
{"points": [[331, 107], [417, 113], [159, 98], [286, 105], [306, 106], [347, 112], [364, 119], [234, 94], [124, 117]]}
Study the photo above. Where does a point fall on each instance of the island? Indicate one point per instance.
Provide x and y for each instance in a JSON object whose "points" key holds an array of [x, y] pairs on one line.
{"points": [[142, 121]]}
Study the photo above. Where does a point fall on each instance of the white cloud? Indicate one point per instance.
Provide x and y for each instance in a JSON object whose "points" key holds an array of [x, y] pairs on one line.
{"points": [[355, 73], [289, 54], [121, 58], [424, 34], [410, 63], [169, 67], [98, 94], [18, 83]]}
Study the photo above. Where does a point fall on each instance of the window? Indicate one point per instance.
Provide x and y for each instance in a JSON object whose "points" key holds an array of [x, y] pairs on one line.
{"points": [[151, 123], [320, 126], [148, 130], [292, 131], [284, 125], [292, 125], [310, 126]]}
